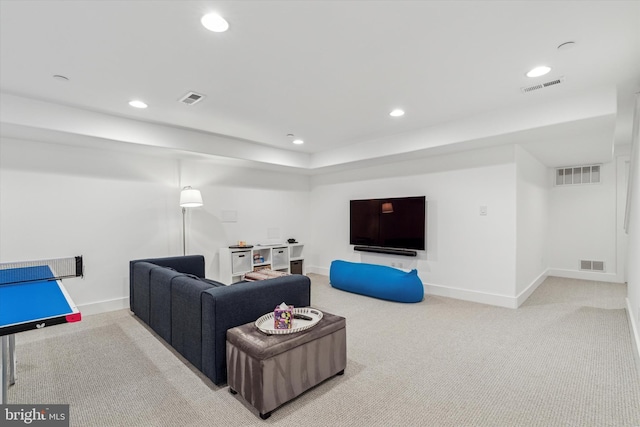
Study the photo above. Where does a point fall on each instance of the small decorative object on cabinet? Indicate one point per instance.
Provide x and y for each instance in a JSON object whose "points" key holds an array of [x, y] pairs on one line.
{"points": [[235, 262]]}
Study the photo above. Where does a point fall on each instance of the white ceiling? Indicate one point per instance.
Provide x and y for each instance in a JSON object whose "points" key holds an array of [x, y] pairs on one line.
{"points": [[330, 72]]}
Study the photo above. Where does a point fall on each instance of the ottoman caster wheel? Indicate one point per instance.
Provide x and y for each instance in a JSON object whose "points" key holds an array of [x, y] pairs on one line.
{"points": [[232, 391], [341, 372], [265, 416]]}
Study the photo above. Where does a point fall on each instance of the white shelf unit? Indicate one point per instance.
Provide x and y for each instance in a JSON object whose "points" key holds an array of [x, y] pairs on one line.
{"points": [[236, 262]]}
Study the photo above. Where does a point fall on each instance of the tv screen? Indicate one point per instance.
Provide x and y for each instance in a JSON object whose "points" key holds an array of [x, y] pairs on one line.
{"points": [[388, 223]]}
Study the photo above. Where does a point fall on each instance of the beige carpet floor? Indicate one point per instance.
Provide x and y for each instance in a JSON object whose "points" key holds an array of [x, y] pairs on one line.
{"points": [[562, 359]]}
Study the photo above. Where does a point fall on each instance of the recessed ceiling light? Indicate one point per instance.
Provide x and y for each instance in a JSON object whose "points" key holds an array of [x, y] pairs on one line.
{"points": [[397, 113], [298, 141], [214, 22], [138, 104], [539, 71]]}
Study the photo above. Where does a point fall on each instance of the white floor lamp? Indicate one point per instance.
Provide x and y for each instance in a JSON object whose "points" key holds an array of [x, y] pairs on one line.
{"points": [[189, 198]]}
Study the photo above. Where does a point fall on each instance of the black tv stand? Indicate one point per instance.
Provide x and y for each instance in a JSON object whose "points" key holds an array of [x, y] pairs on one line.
{"points": [[403, 252]]}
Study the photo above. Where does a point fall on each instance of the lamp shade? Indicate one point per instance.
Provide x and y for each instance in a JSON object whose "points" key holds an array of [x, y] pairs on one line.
{"points": [[387, 207], [190, 198]]}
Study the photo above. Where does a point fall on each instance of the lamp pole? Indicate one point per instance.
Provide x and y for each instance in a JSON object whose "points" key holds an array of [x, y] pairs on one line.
{"points": [[189, 198], [184, 236]]}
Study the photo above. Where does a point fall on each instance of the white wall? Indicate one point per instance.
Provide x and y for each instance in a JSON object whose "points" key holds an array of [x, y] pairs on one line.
{"points": [[468, 256], [269, 207], [114, 206], [59, 201], [582, 226], [633, 265], [532, 194], [633, 253]]}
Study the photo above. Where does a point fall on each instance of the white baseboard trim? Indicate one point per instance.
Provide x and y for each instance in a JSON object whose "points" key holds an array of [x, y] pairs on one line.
{"points": [[473, 296], [104, 306], [584, 275], [323, 271], [635, 332], [464, 294], [522, 297]]}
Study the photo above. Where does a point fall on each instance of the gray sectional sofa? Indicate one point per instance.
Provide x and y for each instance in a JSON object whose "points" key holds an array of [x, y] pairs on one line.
{"points": [[193, 314]]}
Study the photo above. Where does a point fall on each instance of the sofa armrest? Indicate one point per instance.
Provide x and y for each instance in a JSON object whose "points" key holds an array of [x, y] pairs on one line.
{"points": [[140, 289], [235, 305]]}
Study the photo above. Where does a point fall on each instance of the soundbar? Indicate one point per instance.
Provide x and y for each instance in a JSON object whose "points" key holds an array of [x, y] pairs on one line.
{"points": [[403, 252]]}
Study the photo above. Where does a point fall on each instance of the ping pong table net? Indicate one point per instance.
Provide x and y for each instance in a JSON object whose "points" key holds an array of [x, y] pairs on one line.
{"points": [[35, 271]]}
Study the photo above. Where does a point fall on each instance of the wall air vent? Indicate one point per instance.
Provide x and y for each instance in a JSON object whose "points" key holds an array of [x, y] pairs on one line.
{"points": [[191, 98], [588, 174], [592, 265], [542, 85]]}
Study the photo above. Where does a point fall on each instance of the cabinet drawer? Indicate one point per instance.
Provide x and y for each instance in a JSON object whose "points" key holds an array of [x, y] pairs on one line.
{"points": [[296, 267], [280, 258], [240, 262]]}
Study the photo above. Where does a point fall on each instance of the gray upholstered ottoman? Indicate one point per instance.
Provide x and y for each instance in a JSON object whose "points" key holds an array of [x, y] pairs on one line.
{"points": [[269, 370]]}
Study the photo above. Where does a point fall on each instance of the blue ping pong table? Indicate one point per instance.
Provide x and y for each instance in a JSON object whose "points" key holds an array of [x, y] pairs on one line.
{"points": [[29, 305]]}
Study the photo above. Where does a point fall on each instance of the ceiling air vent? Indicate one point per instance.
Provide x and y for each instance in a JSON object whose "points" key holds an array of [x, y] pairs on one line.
{"points": [[191, 98], [543, 85]]}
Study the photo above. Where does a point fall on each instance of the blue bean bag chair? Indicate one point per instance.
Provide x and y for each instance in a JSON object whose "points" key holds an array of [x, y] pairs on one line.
{"points": [[376, 281]]}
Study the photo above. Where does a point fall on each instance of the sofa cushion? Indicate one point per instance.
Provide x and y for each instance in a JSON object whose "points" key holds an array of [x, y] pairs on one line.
{"points": [[186, 317], [205, 280], [161, 280]]}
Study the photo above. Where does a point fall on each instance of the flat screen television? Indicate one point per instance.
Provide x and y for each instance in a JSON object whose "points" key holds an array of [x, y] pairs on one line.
{"points": [[397, 223]]}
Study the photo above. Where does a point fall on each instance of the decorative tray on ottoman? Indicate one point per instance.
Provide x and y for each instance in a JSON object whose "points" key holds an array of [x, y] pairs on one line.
{"points": [[265, 323]]}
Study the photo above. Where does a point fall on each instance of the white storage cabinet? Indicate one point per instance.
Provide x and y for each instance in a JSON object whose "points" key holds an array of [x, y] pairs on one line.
{"points": [[236, 262]]}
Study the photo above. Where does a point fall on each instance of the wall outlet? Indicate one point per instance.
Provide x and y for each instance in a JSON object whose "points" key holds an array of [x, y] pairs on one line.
{"points": [[483, 211]]}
